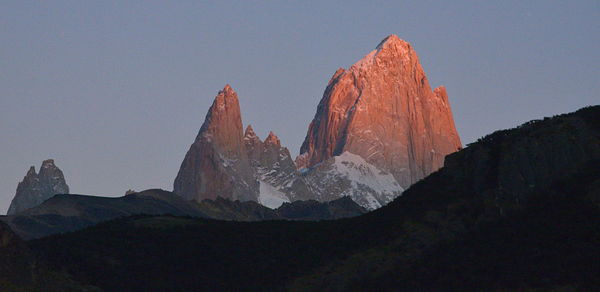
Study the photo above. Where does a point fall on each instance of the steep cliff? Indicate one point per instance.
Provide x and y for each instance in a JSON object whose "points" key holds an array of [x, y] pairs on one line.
{"points": [[383, 110], [216, 164]]}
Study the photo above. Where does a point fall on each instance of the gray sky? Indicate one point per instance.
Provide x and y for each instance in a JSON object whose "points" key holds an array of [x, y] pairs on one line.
{"points": [[116, 92]]}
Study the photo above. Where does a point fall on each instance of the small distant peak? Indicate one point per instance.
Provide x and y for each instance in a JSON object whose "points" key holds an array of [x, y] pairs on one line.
{"points": [[272, 139], [249, 133], [48, 163]]}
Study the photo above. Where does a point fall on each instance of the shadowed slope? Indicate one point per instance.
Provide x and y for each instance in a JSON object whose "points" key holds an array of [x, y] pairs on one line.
{"points": [[64, 213]]}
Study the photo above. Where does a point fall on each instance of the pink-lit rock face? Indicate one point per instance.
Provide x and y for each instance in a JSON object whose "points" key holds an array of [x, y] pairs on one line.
{"points": [[383, 109], [217, 164]]}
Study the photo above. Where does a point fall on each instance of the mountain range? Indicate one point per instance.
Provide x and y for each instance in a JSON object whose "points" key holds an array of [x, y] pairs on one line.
{"points": [[378, 129], [382, 197], [517, 210]]}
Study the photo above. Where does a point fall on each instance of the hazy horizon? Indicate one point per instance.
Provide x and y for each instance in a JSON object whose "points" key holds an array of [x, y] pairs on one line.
{"points": [[116, 92]]}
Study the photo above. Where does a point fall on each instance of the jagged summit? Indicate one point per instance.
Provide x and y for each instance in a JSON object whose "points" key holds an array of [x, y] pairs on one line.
{"points": [[379, 118], [228, 90], [226, 100], [35, 188], [216, 164], [249, 133], [391, 49], [272, 139], [48, 163], [392, 41], [31, 172], [223, 123], [383, 110]]}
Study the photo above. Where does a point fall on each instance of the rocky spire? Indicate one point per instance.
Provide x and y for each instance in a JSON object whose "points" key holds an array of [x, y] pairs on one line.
{"points": [[383, 109], [274, 155], [223, 124], [249, 133], [36, 188], [272, 139], [254, 147], [216, 165]]}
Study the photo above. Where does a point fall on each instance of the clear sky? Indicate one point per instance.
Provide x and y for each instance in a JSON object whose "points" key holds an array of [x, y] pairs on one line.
{"points": [[115, 92]]}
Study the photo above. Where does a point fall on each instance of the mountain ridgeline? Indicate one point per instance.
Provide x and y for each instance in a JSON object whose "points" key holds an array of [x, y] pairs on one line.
{"points": [[517, 210], [38, 187], [378, 129], [65, 213]]}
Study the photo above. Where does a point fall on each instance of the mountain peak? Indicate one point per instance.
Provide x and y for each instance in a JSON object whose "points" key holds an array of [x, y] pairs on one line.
{"points": [[227, 89], [249, 133], [217, 154], [36, 188], [389, 52], [48, 163], [391, 40], [226, 98], [355, 115], [223, 122], [272, 139], [31, 172]]}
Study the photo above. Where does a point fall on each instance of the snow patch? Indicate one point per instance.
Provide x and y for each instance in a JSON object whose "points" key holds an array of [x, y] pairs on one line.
{"points": [[351, 175], [359, 171], [270, 197]]}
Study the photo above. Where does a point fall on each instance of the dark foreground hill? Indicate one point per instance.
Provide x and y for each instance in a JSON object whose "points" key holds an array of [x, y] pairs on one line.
{"points": [[20, 271], [518, 210], [64, 213]]}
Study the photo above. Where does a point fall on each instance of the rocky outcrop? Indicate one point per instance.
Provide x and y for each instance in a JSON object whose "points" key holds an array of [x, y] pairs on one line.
{"points": [[383, 110], [38, 187], [216, 164]]}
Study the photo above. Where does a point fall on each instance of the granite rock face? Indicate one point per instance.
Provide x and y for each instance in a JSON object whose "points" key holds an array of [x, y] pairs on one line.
{"points": [[378, 129], [38, 187], [216, 164], [383, 110]]}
